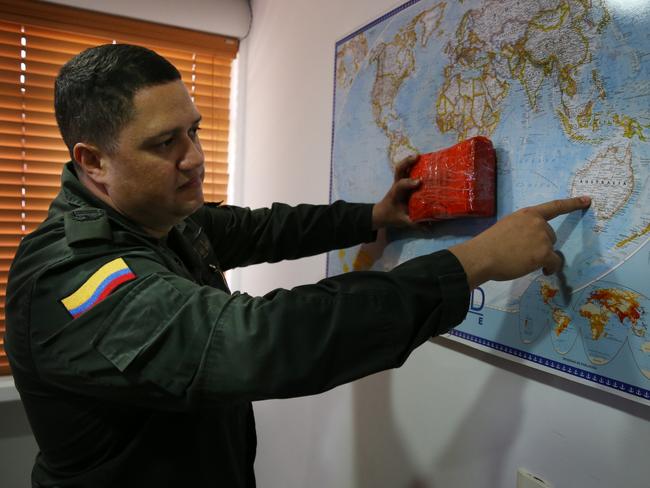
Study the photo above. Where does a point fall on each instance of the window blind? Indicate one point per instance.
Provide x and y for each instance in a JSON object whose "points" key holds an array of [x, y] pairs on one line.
{"points": [[36, 39]]}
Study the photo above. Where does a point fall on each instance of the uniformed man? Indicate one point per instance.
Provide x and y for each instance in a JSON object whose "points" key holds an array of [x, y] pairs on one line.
{"points": [[134, 361]]}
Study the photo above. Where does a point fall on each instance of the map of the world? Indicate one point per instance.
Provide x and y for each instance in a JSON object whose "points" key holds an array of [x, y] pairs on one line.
{"points": [[562, 88]]}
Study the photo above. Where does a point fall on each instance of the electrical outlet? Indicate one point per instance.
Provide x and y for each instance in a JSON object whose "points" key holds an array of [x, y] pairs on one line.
{"points": [[525, 479]]}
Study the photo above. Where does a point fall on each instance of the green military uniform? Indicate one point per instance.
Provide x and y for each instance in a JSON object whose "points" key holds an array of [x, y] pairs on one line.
{"points": [[137, 366]]}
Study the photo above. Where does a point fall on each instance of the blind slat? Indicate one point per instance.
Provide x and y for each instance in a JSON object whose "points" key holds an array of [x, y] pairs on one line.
{"points": [[33, 154], [51, 167], [41, 130]]}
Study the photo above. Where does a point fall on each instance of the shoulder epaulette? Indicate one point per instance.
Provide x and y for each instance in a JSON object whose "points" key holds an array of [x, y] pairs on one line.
{"points": [[86, 224]]}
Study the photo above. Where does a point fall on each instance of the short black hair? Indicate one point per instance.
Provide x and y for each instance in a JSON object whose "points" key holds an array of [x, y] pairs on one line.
{"points": [[93, 92]]}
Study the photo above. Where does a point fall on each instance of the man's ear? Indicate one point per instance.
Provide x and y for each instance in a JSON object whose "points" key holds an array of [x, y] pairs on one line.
{"points": [[91, 161]]}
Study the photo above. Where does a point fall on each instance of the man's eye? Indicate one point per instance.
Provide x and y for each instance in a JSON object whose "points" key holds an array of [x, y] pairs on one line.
{"points": [[166, 143], [194, 131]]}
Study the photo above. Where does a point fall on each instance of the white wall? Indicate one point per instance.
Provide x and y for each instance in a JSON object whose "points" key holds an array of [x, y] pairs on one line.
{"points": [[452, 416], [226, 17]]}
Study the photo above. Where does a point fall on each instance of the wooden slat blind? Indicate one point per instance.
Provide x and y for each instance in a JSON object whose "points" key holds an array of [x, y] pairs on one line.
{"points": [[36, 39]]}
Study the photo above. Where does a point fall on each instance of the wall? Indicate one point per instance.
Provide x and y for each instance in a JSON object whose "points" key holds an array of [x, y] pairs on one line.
{"points": [[227, 17], [17, 446], [452, 416]]}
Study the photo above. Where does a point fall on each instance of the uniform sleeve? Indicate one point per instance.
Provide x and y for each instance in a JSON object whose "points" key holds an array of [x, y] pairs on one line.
{"points": [[164, 342], [312, 338], [241, 236]]}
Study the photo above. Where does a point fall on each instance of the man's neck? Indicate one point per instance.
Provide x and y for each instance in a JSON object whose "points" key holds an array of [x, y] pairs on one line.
{"points": [[100, 192]]}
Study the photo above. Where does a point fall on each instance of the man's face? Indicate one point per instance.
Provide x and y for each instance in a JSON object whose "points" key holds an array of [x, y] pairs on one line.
{"points": [[155, 176]]}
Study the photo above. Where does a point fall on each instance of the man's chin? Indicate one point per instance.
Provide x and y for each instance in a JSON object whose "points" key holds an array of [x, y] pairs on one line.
{"points": [[195, 204]]}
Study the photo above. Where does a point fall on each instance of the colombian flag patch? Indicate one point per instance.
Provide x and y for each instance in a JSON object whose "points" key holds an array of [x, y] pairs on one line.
{"points": [[98, 287]]}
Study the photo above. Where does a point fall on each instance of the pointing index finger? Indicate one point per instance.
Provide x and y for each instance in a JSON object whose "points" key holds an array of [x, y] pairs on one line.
{"points": [[554, 208]]}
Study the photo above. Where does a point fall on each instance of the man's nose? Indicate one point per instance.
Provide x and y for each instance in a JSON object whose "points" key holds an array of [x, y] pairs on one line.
{"points": [[192, 155]]}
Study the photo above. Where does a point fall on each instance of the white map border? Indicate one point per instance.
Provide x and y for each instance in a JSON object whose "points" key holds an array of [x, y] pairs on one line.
{"points": [[547, 365], [572, 373]]}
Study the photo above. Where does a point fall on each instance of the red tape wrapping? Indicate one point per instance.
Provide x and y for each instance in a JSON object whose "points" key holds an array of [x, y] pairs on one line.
{"points": [[457, 182]]}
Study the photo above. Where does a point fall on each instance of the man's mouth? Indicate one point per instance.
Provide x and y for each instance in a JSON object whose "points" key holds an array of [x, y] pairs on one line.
{"points": [[191, 183]]}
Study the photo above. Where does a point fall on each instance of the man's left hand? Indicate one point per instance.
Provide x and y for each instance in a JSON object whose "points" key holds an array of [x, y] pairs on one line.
{"points": [[392, 210]]}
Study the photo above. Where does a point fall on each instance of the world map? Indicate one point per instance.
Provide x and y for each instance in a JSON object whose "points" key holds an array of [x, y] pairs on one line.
{"points": [[562, 88]]}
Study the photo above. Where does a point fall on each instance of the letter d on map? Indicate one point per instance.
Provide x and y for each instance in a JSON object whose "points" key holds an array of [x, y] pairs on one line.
{"points": [[477, 300]]}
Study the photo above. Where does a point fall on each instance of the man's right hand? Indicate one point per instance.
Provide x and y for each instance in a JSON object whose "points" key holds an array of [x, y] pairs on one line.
{"points": [[516, 245]]}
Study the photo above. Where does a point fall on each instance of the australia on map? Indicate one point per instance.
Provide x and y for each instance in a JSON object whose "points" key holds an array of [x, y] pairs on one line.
{"points": [[562, 88]]}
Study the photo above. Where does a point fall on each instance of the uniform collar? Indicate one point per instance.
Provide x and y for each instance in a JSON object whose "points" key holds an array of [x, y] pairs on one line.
{"points": [[73, 193]]}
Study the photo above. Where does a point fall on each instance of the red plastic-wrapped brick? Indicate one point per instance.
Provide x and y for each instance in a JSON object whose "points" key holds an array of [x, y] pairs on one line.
{"points": [[456, 182]]}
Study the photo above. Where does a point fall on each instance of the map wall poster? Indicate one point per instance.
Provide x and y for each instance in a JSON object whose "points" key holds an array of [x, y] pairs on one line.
{"points": [[562, 88]]}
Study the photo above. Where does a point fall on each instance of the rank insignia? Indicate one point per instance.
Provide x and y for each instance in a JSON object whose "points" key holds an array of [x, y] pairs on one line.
{"points": [[96, 288]]}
